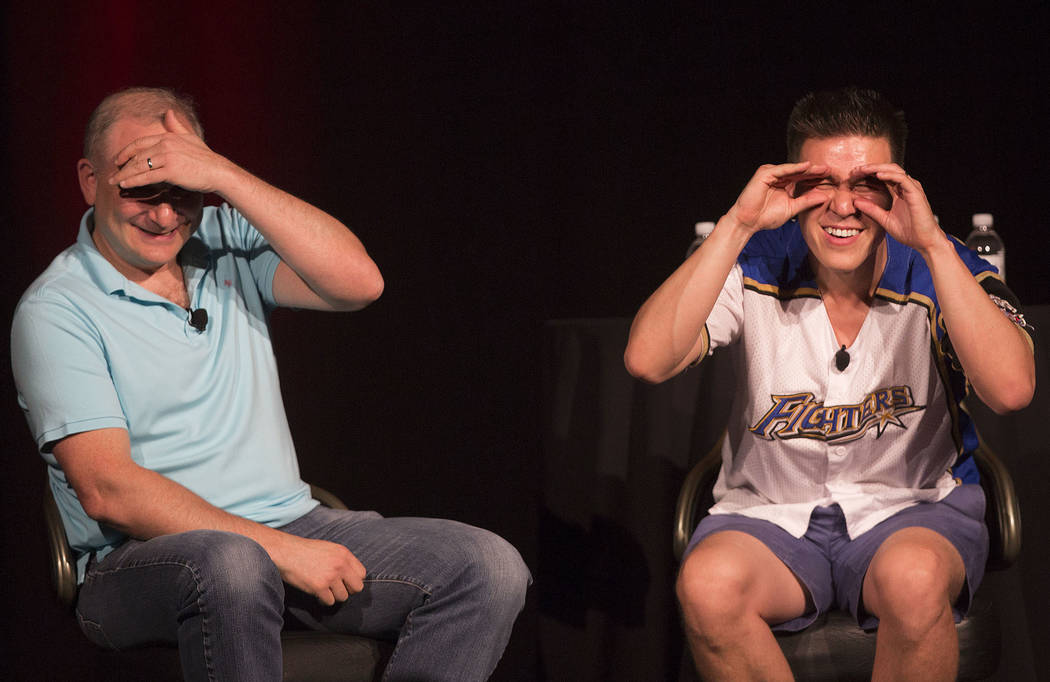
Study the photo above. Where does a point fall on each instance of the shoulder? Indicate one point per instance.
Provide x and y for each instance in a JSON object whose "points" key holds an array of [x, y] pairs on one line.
{"points": [[223, 226], [777, 258], [907, 275], [65, 284]]}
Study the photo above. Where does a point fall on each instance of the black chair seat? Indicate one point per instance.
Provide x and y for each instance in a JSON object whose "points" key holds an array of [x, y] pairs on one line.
{"points": [[836, 649], [308, 657]]}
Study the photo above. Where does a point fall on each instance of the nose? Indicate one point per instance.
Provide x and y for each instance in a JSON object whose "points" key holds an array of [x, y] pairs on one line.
{"points": [[842, 201], [164, 215]]}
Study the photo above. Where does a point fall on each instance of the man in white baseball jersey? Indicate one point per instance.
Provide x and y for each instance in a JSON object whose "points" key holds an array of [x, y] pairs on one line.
{"points": [[856, 327]]}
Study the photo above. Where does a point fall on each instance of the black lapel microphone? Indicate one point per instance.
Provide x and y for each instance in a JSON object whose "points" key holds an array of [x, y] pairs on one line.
{"points": [[841, 355], [199, 320]]}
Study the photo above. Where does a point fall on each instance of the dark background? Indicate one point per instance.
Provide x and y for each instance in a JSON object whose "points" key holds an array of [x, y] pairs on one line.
{"points": [[505, 164]]}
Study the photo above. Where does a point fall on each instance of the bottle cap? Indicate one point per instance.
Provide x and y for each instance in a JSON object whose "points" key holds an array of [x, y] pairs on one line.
{"points": [[704, 228], [983, 219]]}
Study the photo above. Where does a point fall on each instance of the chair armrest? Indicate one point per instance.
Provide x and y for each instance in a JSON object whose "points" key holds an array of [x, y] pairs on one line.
{"points": [[63, 567], [1002, 511], [326, 498], [696, 487]]}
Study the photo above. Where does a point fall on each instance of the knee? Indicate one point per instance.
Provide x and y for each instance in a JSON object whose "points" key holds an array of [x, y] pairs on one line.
{"points": [[493, 570], [234, 567], [711, 590], [910, 587]]}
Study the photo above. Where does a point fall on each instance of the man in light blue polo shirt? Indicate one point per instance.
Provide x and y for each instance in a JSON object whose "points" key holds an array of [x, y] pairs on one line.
{"points": [[144, 366]]}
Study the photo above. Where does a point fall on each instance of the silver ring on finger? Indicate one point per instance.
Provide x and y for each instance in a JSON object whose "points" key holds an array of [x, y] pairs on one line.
{"points": [[149, 162]]}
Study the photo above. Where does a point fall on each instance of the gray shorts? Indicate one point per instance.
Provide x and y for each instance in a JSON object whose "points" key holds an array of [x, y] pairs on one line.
{"points": [[832, 567]]}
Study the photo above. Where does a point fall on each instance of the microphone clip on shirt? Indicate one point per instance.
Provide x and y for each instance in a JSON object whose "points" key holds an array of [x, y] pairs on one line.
{"points": [[199, 319], [842, 359]]}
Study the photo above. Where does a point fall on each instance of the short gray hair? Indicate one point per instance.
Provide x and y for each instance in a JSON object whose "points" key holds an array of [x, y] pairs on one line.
{"points": [[141, 103]]}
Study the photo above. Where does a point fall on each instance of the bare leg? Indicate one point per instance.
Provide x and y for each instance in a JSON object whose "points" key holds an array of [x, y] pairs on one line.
{"points": [[911, 584], [730, 588]]}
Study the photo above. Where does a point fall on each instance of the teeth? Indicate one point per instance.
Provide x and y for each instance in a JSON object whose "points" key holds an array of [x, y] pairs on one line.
{"points": [[842, 232]]}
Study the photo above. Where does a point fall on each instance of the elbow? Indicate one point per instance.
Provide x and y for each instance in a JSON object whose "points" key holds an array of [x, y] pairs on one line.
{"points": [[105, 500], [639, 365], [1013, 400], [372, 289], [1012, 396], [364, 291], [95, 506], [378, 285]]}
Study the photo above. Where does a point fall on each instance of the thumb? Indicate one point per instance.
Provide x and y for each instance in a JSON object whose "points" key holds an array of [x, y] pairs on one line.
{"points": [[173, 125], [873, 211], [807, 201]]}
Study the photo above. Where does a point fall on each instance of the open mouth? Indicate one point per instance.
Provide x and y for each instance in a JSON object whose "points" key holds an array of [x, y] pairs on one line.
{"points": [[159, 235], [842, 232]]}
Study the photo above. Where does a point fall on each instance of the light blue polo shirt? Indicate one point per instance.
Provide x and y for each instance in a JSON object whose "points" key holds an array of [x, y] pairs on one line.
{"points": [[92, 350]]}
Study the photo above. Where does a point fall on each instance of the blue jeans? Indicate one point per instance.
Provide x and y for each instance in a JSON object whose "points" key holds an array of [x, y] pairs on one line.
{"points": [[447, 592]]}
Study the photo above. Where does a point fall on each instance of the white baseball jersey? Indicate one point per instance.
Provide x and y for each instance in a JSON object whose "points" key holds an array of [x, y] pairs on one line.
{"points": [[885, 433]]}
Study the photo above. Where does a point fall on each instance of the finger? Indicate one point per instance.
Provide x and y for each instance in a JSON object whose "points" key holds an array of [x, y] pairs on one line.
{"points": [[818, 170], [891, 174], [806, 174], [787, 171], [769, 171], [339, 591], [354, 583], [782, 169], [174, 125], [357, 575], [136, 147], [141, 170], [136, 180], [810, 199], [326, 597], [873, 168], [902, 185], [873, 211]]}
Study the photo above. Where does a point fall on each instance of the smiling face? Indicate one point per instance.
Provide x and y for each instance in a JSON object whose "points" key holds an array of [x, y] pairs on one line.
{"points": [[845, 244], [139, 237]]}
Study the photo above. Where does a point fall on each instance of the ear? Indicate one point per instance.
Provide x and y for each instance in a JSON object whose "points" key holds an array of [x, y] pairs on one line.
{"points": [[88, 180]]}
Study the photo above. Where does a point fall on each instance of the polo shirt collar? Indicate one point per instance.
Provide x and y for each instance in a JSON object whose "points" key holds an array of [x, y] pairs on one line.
{"points": [[98, 268], [109, 279]]}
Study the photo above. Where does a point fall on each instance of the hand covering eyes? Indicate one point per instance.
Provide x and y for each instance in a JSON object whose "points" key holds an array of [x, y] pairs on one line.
{"points": [[174, 193]]}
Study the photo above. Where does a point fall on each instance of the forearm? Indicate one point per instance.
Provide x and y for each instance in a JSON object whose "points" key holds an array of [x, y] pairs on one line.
{"points": [[321, 250], [666, 333], [117, 492], [994, 352], [128, 503]]}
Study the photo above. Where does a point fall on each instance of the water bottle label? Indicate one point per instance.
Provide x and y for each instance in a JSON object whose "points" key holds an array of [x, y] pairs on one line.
{"points": [[998, 260]]}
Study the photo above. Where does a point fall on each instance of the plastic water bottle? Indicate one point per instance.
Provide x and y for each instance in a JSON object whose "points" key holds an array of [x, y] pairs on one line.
{"points": [[985, 242], [703, 230]]}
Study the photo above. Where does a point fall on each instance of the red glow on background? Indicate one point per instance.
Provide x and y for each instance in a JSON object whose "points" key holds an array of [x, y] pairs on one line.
{"points": [[240, 68]]}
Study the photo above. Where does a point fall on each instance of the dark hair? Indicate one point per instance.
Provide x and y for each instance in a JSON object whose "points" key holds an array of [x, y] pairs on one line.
{"points": [[849, 111], [141, 103]]}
